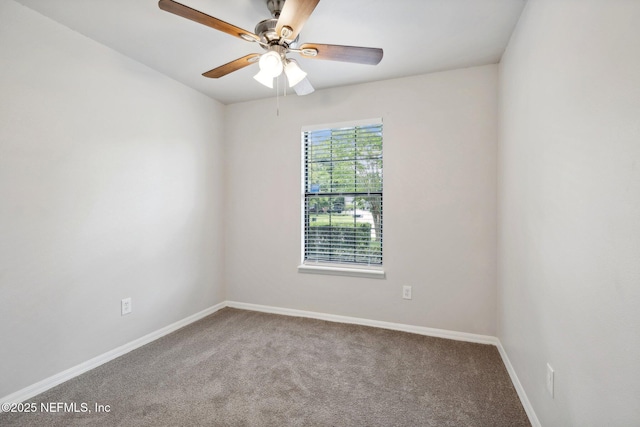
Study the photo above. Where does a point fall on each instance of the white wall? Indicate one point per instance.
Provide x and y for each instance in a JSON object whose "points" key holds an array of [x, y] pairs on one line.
{"points": [[569, 210], [110, 187], [440, 138]]}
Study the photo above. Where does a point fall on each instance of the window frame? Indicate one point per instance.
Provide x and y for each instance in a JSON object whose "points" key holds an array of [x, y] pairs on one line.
{"points": [[331, 268]]}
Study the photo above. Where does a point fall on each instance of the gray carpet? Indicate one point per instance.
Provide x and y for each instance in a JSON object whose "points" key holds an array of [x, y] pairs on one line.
{"points": [[244, 368]]}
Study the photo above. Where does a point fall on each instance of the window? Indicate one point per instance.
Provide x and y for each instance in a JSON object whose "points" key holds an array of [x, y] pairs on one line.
{"points": [[342, 206]]}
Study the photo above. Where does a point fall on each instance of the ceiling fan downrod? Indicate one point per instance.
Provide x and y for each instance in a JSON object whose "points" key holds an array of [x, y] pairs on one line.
{"points": [[275, 7]]}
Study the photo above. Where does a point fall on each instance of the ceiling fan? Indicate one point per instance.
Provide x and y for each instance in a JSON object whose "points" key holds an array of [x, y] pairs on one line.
{"points": [[278, 36]]}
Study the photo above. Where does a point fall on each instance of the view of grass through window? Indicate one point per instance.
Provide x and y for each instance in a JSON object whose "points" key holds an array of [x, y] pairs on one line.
{"points": [[343, 194]]}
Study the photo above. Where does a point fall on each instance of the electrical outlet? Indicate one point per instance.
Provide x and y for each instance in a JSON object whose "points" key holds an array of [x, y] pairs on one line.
{"points": [[406, 292], [550, 374], [125, 306]]}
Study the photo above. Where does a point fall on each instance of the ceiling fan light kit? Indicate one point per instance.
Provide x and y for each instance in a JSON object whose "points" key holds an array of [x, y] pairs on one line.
{"points": [[264, 78], [294, 73], [278, 36], [271, 63]]}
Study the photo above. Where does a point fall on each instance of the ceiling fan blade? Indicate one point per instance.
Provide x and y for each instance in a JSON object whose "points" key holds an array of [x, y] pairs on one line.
{"points": [[232, 66], [304, 87], [202, 18], [333, 52], [294, 14]]}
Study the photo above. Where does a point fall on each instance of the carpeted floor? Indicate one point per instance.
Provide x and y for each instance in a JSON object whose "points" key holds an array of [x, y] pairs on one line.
{"points": [[244, 368]]}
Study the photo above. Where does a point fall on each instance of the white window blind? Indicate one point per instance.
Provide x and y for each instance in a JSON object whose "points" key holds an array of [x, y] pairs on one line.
{"points": [[342, 210]]}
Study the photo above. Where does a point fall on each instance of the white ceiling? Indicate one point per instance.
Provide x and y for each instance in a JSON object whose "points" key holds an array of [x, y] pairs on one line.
{"points": [[418, 37]]}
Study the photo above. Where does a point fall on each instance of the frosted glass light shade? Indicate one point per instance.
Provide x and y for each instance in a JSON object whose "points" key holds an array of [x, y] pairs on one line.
{"points": [[265, 79], [294, 74], [271, 64]]}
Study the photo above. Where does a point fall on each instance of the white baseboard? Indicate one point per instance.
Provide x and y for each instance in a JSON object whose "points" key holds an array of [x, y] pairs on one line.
{"points": [[47, 383], [421, 330], [528, 408]]}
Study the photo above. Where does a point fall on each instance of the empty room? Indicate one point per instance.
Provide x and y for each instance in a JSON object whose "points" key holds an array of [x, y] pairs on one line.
{"points": [[320, 213]]}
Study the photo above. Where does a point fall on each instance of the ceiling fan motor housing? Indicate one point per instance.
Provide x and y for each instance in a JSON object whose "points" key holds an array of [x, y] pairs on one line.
{"points": [[267, 31]]}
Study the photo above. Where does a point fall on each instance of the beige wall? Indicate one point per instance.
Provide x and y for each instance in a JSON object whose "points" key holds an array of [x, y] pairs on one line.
{"points": [[110, 187], [113, 181], [569, 209], [440, 138]]}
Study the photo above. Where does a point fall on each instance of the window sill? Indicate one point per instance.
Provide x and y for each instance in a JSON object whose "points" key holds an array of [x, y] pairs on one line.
{"points": [[334, 270]]}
